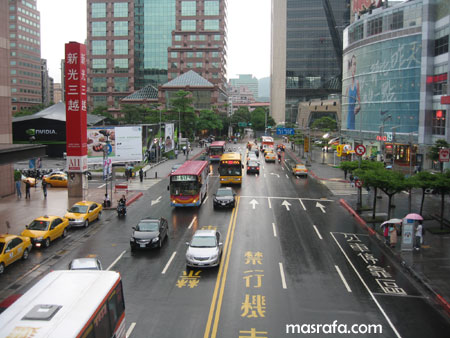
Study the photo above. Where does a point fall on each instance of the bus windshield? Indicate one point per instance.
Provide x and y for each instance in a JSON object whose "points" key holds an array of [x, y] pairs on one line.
{"points": [[216, 151], [184, 188], [230, 170]]}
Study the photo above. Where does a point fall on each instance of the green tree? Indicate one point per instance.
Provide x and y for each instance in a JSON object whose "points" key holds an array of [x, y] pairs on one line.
{"points": [[325, 124], [258, 119], [31, 110], [182, 103], [434, 151], [133, 114], [422, 180], [103, 111], [209, 120], [442, 185]]}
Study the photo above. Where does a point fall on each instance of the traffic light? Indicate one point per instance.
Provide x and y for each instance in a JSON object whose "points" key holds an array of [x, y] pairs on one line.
{"points": [[339, 149]]}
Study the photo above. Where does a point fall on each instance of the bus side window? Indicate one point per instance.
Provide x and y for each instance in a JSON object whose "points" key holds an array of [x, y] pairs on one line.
{"points": [[89, 332], [101, 323], [115, 307]]}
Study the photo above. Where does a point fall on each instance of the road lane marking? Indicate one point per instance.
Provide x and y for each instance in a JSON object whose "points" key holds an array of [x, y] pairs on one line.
{"points": [[192, 222], [264, 175], [287, 176], [212, 308], [288, 198], [101, 186], [283, 279], [343, 278], [205, 199], [367, 288], [117, 259], [168, 263], [274, 230], [317, 232], [322, 207], [282, 168], [254, 203], [286, 204], [301, 202], [270, 204], [130, 329]]}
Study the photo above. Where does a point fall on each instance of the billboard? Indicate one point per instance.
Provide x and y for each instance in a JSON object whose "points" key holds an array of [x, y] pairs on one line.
{"points": [[359, 6], [124, 144], [379, 80], [76, 109], [169, 142]]}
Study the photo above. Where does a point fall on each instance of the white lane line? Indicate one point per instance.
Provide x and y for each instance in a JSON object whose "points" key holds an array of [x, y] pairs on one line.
{"points": [[343, 279], [192, 222], [168, 263], [282, 168], [367, 288], [317, 232], [130, 330], [264, 175], [205, 199], [117, 259], [300, 200], [274, 230], [287, 176], [270, 204], [283, 279], [101, 186]]}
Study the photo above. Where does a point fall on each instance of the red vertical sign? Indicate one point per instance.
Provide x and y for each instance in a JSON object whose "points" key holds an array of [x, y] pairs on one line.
{"points": [[76, 110]]}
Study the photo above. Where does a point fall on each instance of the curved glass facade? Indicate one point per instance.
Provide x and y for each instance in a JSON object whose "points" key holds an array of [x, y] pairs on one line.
{"points": [[382, 79]]}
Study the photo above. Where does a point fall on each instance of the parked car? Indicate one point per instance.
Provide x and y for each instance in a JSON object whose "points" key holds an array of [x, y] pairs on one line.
{"points": [[88, 263], [13, 248], [84, 212], [224, 198], [30, 180], [204, 249], [253, 167], [149, 233], [45, 229]]}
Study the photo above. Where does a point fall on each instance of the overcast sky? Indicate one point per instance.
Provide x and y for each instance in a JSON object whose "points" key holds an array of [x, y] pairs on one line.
{"points": [[248, 34]]}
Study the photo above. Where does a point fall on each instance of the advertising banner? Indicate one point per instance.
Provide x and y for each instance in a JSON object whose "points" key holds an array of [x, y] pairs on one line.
{"points": [[363, 5], [76, 109], [168, 138], [123, 144]]}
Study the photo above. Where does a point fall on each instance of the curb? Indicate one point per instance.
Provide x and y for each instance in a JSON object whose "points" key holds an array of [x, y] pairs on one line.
{"points": [[134, 198], [357, 217]]}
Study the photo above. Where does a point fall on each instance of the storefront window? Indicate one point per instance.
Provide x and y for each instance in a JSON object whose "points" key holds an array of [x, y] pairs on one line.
{"points": [[439, 122]]}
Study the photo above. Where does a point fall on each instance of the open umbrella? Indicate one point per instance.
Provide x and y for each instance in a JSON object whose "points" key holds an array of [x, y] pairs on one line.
{"points": [[416, 217], [391, 221]]}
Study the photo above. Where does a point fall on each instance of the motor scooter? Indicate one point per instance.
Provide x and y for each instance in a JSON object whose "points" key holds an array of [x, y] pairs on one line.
{"points": [[121, 209]]}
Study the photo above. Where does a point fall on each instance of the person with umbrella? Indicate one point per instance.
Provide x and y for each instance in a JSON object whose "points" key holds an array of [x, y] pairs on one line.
{"points": [[393, 235], [418, 234], [387, 226]]}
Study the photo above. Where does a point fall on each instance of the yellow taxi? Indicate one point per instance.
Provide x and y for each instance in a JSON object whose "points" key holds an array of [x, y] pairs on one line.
{"points": [[30, 180], [300, 170], [45, 229], [270, 156], [56, 180], [12, 248], [83, 212]]}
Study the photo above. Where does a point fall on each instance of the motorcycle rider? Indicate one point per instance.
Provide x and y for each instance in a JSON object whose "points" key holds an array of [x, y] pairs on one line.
{"points": [[123, 204]]}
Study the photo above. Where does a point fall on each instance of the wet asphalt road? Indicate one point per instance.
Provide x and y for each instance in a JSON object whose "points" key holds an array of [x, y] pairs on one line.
{"points": [[292, 256]]}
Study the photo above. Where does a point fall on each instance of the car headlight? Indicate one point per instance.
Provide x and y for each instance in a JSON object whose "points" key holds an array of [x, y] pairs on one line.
{"points": [[78, 220], [156, 239], [39, 238], [214, 256], [132, 239], [189, 256]]}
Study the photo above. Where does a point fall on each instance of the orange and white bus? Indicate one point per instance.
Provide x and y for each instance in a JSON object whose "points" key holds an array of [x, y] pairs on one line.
{"points": [[267, 143], [189, 184], [216, 150], [69, 304]]}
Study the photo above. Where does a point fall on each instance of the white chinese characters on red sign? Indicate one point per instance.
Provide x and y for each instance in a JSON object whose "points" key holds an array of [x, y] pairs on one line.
{"points": [[76, 106], [444, 155]]}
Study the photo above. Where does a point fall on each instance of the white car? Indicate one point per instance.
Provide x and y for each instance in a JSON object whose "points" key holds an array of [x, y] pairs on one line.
{"points": [[89, 263], [204, 250]]}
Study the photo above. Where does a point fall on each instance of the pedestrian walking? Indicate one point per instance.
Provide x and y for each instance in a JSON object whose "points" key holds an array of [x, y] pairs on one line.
{"points": [[126, 173], [345, 174], [18, 189], [27, 189], [141, 175], [44, 188], [352, 180], [418, 236], [386, 234], [393, 235]]}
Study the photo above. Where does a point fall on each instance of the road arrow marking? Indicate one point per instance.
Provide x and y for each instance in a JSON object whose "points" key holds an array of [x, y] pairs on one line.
{"points": [[156, 201], [253, 203], [286, 204], [275, 175], [322, 207]]}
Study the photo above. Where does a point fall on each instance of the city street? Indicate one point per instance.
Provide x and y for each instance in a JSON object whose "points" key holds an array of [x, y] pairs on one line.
{"points": [[291, 256]]}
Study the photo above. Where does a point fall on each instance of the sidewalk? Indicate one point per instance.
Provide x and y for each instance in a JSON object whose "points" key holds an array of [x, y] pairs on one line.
{"points": [[19, 212], [431, 265]]}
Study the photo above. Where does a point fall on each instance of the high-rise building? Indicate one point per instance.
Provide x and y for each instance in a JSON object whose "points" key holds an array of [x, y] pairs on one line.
{"points": [[135, 43], [25, 58], [304, 60], [248, 81], [47, 84], [57, 92], [199, 40]]}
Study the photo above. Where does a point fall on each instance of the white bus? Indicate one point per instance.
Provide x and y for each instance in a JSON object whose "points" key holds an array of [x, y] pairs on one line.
{"points": [[69, 304]]}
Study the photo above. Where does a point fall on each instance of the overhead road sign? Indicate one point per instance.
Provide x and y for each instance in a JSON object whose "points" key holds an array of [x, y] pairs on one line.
{"points": [[285, 131]]}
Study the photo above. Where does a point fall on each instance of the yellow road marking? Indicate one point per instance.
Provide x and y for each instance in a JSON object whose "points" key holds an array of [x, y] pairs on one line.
{"points": [[226, 249]]}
